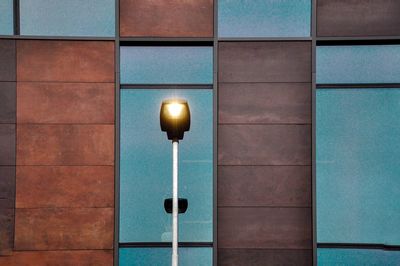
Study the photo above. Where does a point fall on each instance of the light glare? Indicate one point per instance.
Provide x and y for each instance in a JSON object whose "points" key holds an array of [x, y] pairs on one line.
{"points": [[175, 109]]}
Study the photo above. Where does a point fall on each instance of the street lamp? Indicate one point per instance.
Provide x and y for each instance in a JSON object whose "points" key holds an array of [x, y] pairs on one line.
{"points": [[175, 120]]}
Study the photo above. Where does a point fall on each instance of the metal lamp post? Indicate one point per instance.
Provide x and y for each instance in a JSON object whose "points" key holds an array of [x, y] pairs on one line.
{"points": [[175, 120]]}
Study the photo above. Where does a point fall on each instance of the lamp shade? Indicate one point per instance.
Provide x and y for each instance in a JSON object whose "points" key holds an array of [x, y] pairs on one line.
{"points": [[175, 118]]}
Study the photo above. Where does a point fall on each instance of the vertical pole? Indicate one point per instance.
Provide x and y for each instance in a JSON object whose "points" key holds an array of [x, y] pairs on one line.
{"points": [[175, 203]]}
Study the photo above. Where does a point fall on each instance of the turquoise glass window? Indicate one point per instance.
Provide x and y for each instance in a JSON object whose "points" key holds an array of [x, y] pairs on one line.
{"points": [[162, 256], [264, 18], [357, 257], [357, 163], [67, 18], [146, 167], [166, 65], [358, 64], [6, 17]]}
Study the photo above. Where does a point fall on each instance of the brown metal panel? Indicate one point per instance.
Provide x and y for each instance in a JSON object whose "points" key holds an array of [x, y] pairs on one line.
{"points": [[7, 60], [7, 187], [65, 144], [7, 102], [71, 61], [166, 18], [64, 228], [358, 17], [65, 102], [66, 186], [275, 228], [264, 145], [7, 144], [59, 258], [264, 62], [262, 257], [6, 231], [264, 103], [288, 186]]}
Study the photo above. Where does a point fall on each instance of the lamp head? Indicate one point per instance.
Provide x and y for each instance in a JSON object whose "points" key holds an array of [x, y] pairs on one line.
{"points": [[175, 118]]}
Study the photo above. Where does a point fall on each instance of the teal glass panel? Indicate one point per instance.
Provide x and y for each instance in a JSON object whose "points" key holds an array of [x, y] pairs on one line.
{"points": [[68, 18], [358, 64], [166, 65], [264, 18], [6, 17], [146, 167], [357, 257], [162, 256], [358, 166]]}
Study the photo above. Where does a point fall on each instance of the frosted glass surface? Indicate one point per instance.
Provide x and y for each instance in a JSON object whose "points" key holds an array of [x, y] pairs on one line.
{"points": [[358, 64], [146, 171], [166, 65], [162, 256], [264, 18], [357, 257], [6, 17], [358, 166], [68, 17]]}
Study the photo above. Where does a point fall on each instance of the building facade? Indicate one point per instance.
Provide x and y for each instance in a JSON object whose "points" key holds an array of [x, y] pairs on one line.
{"points": [[292, 156]]}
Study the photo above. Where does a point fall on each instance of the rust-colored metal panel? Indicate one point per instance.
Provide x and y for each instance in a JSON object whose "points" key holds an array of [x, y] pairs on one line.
{"points": [[65, 103], [358, 17], [7, 60], [277, 228], [7, 102], [281, 186], [59, 258], [264, 62], [66, 186], [64, 228], [264, 145], [7, 144], [6, 231], [262, 257], [65, 144], [68, 61], [264, 103], [7, 187], [166, 18]]}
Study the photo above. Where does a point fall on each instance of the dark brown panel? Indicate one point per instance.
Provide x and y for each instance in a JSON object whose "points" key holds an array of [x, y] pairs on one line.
{"points": [[264, 62], [264, 145], [264, 103], [65, 144], [7, 144], [264, 186], [358, 17], [262, 257], [65, 102], [7, 187], [166, 18], [73, 61], [7, 102], [275, 228], [72, 228], [59, 258], [66, 186], [6, 231], [7, 60]]}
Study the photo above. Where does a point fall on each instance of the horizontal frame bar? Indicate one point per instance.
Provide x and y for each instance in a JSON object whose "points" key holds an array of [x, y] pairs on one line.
{"points": [[166, 86], [358, 86], [66, 38], [166, 42], [164, 244], [359, 246], [166, 39], [357, 41], [264, 39]]}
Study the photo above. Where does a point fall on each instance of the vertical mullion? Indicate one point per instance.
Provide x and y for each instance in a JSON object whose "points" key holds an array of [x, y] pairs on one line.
{"points": [[16, 17], [313, 145]]}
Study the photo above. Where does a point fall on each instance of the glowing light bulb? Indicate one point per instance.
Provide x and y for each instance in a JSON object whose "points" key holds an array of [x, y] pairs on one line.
{"points": [[175, 109]]}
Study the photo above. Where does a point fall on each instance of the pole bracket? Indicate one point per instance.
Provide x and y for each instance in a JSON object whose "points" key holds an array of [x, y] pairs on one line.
{"points": [[182, 205]]}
